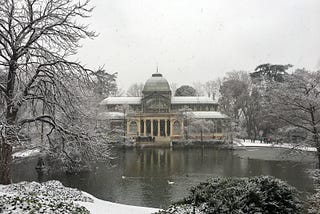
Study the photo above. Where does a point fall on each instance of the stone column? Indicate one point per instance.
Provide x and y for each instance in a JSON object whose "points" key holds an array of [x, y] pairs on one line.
{"points": [[165, 127], [128, 127], [139, 127], [151, 121], [144, 127], [158, 127], [182, 128], [171, 127]]}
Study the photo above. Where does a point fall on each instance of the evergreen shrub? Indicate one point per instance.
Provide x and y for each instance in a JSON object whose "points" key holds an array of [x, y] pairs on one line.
{"points": [[262, 194]]}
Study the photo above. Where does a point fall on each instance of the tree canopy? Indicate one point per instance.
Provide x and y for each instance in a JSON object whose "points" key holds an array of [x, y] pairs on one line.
{"points": [[271, 71], [186, 90], [296, 102]]}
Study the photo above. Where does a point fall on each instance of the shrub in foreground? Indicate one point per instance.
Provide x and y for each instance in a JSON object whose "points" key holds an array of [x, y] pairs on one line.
{"points": [[313, 203], [48, 197], [263, 194]]}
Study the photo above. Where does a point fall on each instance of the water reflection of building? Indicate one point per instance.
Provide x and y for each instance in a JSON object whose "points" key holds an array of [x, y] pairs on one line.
{"points": [[161, 117]]}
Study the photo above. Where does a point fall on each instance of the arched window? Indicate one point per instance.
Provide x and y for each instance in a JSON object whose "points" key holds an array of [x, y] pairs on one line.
{"points": [[133, 127], [176, 128]]}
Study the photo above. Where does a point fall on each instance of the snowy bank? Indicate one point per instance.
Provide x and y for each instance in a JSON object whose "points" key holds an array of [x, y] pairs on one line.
{"points": [[53, 197], [26, 153], [248, 143], [101, 207]]}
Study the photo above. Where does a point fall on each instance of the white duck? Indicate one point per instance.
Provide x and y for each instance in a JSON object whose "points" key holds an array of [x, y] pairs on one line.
{"points": [[170, 182]]}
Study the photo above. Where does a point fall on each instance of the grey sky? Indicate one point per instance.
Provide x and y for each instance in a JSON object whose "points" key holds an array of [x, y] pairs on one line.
{"points": [[199, 40]]}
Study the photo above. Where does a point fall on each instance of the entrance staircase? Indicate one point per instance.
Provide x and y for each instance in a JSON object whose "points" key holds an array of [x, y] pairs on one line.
{"points": [[162, 139]]}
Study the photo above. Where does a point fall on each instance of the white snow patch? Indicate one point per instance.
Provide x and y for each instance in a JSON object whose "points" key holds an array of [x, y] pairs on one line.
{"points": [[26, 153], [49, 197], [121, 101], [192, 100], [111, 115], [101, 207], [208, 115], [257, 143]]}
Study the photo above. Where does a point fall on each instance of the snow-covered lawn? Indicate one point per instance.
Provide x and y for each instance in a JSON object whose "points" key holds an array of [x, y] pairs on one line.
{"points": [[248, 143], [101, 207], [53, 197]]}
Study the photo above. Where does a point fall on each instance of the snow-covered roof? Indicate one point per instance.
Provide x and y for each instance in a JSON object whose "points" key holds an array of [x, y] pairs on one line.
{"points": [[192, 100], [111, 115], [121, 101], [195, 114], [208, 115], [174, 100]]}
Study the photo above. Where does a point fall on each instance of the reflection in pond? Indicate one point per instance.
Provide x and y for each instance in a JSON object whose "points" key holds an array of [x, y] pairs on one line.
{"points": [[140, 176]]}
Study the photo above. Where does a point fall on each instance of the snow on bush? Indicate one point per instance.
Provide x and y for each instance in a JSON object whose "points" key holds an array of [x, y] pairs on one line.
{"points": [[49, 197], [314, 200], [261, 194]]}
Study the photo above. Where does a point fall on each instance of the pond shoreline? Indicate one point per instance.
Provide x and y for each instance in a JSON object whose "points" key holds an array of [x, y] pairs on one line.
{"points": [[139, 176], [236, 144], [174, 144]]}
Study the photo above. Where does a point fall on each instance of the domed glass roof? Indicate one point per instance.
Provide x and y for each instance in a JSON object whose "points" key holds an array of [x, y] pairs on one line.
{"points": [[156, 83]]}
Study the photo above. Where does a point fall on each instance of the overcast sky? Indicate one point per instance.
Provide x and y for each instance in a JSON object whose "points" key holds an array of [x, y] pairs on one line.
{"points": [[199, 40]]}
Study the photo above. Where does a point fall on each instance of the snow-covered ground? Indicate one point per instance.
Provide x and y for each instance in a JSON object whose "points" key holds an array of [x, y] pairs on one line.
{"points": [[26, 153], [248, 143], [52, 197], [101, 207]]}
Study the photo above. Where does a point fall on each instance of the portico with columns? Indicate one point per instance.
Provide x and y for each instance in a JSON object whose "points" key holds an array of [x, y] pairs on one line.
{"points": [[159, 126]]}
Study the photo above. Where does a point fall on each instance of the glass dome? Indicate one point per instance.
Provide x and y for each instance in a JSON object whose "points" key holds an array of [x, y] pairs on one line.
{"points": [[156, 83]]}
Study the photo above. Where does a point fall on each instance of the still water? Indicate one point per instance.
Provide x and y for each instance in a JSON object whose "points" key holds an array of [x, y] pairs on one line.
{"points": [[140, 176]]}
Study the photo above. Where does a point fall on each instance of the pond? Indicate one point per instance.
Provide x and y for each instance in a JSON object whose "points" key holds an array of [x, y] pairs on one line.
{"points": [[144, 177]]}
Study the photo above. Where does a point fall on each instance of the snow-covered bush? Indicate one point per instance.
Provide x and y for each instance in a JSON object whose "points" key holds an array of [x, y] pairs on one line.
{"points": [[49, 197], [261, 194], [313, 203]]}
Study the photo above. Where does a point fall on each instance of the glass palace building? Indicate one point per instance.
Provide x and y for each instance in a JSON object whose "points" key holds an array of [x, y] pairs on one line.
{"points": [[161, 117]]}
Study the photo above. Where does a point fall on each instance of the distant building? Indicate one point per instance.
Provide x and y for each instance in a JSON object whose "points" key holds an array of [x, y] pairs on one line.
{"points": [[159, 116]]}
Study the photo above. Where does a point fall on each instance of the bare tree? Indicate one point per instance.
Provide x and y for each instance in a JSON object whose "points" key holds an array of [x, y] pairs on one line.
{"points": [[296, 101], [199, 87], [241, 102], [234, 92], [135, 90], [212, 88], [173, 87], [37, 37]]}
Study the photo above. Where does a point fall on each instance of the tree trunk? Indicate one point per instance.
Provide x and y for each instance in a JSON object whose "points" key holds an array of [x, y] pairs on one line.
{"points": [[315, 133], [5, 162], [8, 134], [316, 139], [318, 153], [7, 140]]}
